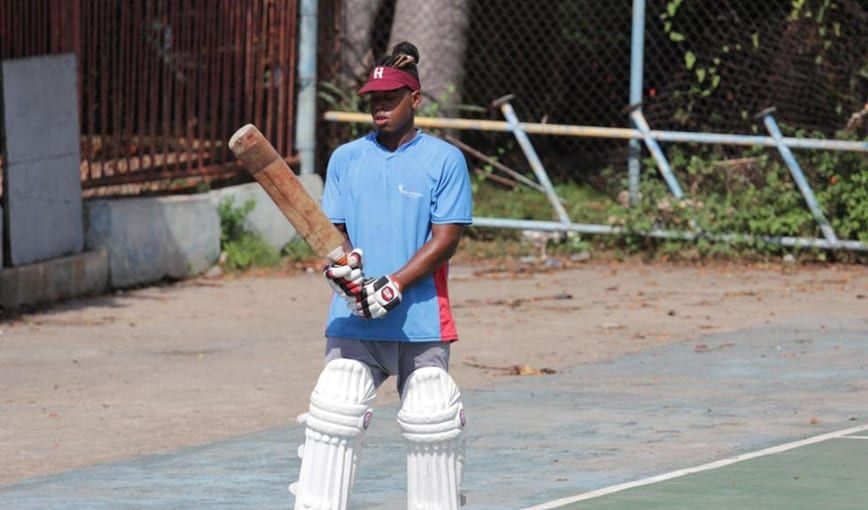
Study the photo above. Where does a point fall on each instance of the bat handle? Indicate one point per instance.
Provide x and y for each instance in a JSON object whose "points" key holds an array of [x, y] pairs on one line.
{"points": [[339, 255]]}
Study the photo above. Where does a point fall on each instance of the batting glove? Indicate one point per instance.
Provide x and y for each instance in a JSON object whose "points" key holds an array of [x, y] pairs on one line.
{"points": [[378, 296], [346, 279]]}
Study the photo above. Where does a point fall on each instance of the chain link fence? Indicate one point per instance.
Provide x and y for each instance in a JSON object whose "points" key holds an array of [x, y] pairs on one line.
{"points": [[708, 66], [713, 65]]}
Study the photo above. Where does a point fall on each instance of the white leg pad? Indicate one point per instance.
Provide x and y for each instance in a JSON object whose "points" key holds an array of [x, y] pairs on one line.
{"points": [[339, 415], [432, 419]]}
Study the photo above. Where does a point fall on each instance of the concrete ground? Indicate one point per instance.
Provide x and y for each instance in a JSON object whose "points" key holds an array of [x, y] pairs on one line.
{"points": [[179, 396]]}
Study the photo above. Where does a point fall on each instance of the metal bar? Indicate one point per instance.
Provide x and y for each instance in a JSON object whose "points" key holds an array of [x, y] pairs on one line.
{"points": [[155, 82], [279, 75], [289, 119], [211, 107], [168, 43], [123, 84], [305, 138], [585, 228], [187, 66], [270, 37], [260, 55], [637, 53], [799, 177], [104, 84], [247, 115], [662, 163], [533, 159], [497, 164], [607, 132], [166, 174], [235, 71]]}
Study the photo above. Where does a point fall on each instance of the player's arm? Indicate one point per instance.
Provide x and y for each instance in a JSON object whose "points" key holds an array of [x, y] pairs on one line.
{"points": [[379, 295], [342, 227], [440, 248]]}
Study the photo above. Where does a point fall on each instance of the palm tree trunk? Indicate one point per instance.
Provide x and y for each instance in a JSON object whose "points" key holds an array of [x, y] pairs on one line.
{"points": [[439, 30], [356, 57]]}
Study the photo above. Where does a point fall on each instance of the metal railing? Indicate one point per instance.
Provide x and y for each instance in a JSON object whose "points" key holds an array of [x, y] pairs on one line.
{"points": [[163, 84], [644, 133]]}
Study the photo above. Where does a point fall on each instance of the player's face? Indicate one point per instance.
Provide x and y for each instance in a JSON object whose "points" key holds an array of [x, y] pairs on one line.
{"points": [[393, 110]]}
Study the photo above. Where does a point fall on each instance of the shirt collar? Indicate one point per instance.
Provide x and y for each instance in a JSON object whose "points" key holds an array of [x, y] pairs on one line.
{"points": [[372, 137]]}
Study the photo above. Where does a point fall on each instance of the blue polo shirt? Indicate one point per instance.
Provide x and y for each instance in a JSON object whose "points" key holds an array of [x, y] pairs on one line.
{"points": [[388, 202]]}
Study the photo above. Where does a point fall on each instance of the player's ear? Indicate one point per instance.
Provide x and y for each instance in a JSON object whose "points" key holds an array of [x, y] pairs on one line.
{"points": [[417, 99]]}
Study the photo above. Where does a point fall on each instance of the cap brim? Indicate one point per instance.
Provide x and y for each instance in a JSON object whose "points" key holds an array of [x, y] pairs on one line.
{"points": [[381, 85]]}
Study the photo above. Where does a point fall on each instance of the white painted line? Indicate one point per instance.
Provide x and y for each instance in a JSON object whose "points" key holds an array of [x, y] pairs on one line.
{"points": [[853, 437], [704, 467]]}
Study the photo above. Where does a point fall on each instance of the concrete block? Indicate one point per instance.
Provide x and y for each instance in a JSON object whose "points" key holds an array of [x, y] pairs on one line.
{"points": [[40, 99], [43, 199], [43, 204], [83, 274], [149, 239], [266, 219]]}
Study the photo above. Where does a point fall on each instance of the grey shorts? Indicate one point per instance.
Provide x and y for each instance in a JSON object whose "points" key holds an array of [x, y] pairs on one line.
{"points": [[387, 358]]}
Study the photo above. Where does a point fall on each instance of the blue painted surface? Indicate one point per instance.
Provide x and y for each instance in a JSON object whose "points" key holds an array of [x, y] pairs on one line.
{"points": [[535, 439]]}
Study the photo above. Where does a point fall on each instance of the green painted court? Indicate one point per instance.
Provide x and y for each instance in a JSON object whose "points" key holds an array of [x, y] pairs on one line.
{"points": [[826, 474]]}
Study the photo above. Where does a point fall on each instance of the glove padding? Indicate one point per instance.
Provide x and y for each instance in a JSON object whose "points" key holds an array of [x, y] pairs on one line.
{"points": [[378, 297], [346, 279]]}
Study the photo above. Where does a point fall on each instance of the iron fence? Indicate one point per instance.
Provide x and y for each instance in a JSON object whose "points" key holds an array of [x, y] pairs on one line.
{"points": [[164, 83]]}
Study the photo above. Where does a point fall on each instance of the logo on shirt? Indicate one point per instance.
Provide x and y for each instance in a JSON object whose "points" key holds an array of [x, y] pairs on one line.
{"points": [[411, 194]]}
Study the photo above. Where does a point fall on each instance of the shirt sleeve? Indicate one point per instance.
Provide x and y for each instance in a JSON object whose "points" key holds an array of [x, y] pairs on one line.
{"points": [[452, 201], [332, 202]]}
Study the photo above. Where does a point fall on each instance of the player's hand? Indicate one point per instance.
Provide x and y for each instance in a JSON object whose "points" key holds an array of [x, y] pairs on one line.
{"points": [[378, 296], [346, 279]]}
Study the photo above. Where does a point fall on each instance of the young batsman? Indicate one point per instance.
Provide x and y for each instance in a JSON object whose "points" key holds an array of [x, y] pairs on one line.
{"points": [[402, 198]]}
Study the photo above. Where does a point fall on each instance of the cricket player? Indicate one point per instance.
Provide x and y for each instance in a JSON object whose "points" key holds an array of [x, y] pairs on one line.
{"points": [[402, 198]]}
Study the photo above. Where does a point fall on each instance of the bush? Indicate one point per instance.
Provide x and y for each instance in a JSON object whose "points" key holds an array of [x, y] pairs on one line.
{"points": [[729, 191], [750, 194], [244, 249]]}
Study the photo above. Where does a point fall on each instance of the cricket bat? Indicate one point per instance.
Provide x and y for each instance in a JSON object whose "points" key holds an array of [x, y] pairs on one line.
{"points": [[270, 170]]}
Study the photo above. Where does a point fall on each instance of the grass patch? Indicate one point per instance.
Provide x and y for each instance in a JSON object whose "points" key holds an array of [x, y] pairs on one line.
{"points": [[244, 249]]}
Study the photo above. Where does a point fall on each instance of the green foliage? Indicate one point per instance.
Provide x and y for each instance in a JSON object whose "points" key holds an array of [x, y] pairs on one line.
{"points": [[298, 250], [443, 106], [232, 218], [583, 203], [244, 249], [753, 194], [344, 100]]}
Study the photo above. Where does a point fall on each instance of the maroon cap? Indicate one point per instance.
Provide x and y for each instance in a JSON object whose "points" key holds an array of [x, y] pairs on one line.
{"points": [[388, 78]]}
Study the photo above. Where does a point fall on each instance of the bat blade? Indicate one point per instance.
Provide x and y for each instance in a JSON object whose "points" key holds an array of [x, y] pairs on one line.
{"points": [[270, 170]]}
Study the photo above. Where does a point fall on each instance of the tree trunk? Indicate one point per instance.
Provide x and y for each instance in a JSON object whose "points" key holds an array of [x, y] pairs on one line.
{"points": [[439, 30], [356, 56]]}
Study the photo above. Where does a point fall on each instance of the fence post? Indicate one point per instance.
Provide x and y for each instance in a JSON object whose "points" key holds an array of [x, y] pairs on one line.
{"points": [[798, 175], [655, 150], [532, 157], [637, 51], [305, 120]]}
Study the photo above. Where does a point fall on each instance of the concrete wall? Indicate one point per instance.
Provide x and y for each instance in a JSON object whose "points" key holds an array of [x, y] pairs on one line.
{"points": [[139, 241], [43, 199], [266, 219], [149, 239], [83, 274]]}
